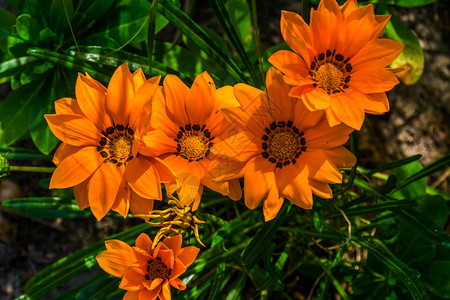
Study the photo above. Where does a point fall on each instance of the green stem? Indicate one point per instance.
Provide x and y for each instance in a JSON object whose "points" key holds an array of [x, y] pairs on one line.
{"points": [[258, 41], [32, 169]]}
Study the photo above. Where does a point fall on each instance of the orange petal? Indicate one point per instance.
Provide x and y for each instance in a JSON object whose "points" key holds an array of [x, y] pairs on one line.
{"points": [[178, 269], [316, 99], [379, 51], [120, 96], [115, 262], [256, 187], [75, 130], [299, 192], [143, 178], [131, 281], [373, 80], [296, 33], [321, 189], [341, 157], [177, 283], [103, 188], [138, 79], [331, 117], [248, 97], [190, 191], [375, 103], [144, 242], [225, 98], [149, 295], [157, 143], [239, 147], [122, 202], [64, 150], [304, 118], [154, 284], [76, 168], [159, 116], [320, 167], [143, 102], [272, 204], [322, 136], [129, 295], [348, 7], [67, 106], [188, 254], [291, 64], [119, 245], [92, 101], [173, 243], [81, 194], [235, 190], [165, 292], [281, 105], [349, 110], [167, 257], [140, 205], [175, 92], [200, 100], [165, 173]]}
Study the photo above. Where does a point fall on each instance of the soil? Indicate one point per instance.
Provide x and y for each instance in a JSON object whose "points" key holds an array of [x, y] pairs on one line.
{"points": [[417, 123]]}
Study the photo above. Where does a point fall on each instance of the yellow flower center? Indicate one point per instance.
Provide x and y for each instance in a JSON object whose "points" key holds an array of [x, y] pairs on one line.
{"points": [[329, 77], [115, 146], [194, 142], [193, 146], [157, 269], [283, 143], [331, 72], [121, 147]]}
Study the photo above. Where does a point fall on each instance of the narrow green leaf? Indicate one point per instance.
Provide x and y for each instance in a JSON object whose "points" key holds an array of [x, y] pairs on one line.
{"points": [[200, 37], [437, 278], [328, 272], [57, 20], [263, 238], [318, 219], [402, 271], [15, 111], [229, 27], [7, 19], [376, 208], [74, 264], [46, 208], [239, 285], [413, 3], [9, 67], [394, 164], [151, 33], [95, 288], [216, 287], [28, 28]]}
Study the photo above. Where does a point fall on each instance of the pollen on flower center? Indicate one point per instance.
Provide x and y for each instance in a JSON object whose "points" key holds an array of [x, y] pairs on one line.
{"points": [[331, 72], [115, 146], [283, 143], [194, 142], [121, 147], [329, 77], [157, 269]]}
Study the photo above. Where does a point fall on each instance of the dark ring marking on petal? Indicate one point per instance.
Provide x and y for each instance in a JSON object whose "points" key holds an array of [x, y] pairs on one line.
{"points": [[272, 160], [279, 165], [273, 125], [265, 154], [130, 131], [281, 124], [313, 65], [347, 79], [179, 135], [265, 137], [110, 130], [104, 154], [321, 56], [188, 127], [120, 127], [207, 134], [348, 67], [339, 57], [289, 124], [267, 130], [264, 146], [196, 127], [286, 163]]}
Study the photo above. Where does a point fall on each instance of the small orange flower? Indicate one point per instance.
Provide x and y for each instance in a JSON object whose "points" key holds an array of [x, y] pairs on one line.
{"points": [[99, 156], [147, 273], [339, 64], [187, 123], [289, 151]]}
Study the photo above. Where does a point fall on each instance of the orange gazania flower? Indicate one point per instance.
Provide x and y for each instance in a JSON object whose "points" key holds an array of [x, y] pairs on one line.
{"points": [[187, 124], [339, 64], [99, 157], [147, 273], [290, 152]]}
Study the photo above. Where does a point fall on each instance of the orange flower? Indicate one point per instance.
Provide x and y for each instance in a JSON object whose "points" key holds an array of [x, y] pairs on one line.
{"points": [[99, 155], [147, 273], [290, 152], [339, 64], [187, 124]]}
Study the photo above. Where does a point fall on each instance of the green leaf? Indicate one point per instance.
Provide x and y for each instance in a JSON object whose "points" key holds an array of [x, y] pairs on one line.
{"points": [[376, 208], [432, 168], [74, 264], [236, 290], [57, 19], [28, 75], [426, 226], [200, 37], [413, 3], [7, 19], [318, 219], [437, 278], [48, 37], [91, 10], [28, 28], [394, 164], [94, 288], [123, 22], [435, 208], [46, 208], [415, 189], [15, 111], [151, 33], [260, 242], [411, 59], [9, 67], [402, 271], [217, 283], [230, 29]]}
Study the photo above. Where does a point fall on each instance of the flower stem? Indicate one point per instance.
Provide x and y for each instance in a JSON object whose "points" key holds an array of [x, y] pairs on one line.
{"points": [[32, 169]]}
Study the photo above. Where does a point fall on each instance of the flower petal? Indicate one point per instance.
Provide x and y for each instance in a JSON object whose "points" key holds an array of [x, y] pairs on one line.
{"points": [[173, 243], [75, 130], [299, 192], [256, 187], [272, 204], [291, 64], [375, 103], [200, 100], [131, 281], [103, 188], [120, 96], [143, 178], [321, 189], [281, 105], [157, 143], [64, 150], [341, 157], [175, 92], [129, 295], [67, 106], [188, 254], [115, 262], [81, 194], [322, 136], [304, 118], [144, 242], [122, 202], [297, 34], [349, 110], [76, 168], [140, 205], [143, 102], [320, 167]]}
